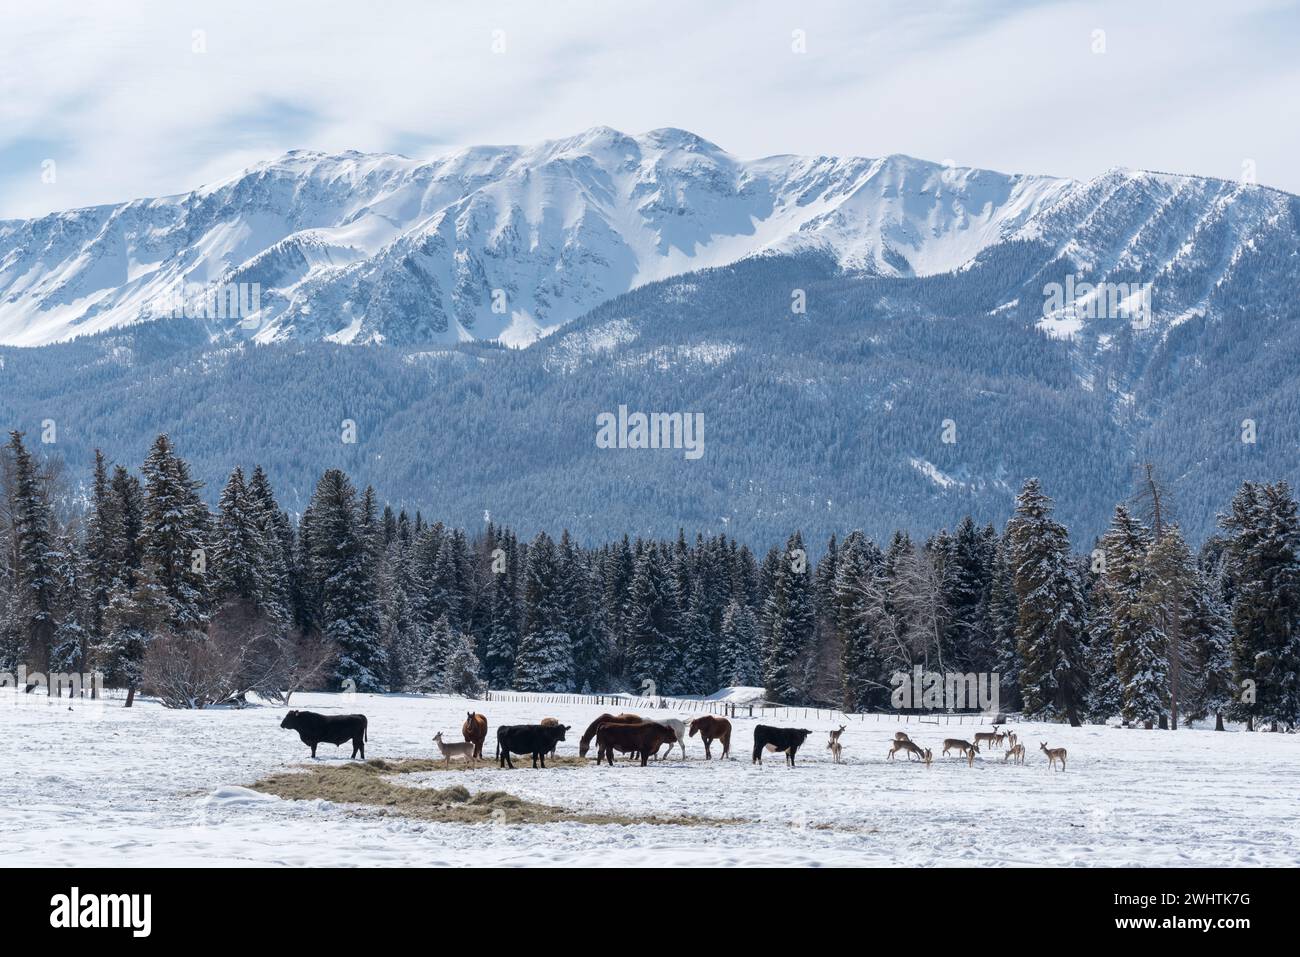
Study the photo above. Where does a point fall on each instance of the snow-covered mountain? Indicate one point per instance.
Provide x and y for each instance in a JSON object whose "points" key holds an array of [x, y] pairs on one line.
{"points": [[501, 243]]}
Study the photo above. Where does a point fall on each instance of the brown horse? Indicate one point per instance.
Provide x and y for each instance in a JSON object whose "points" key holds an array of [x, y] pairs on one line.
{"points": [[584, 744], [642, 738], [475, 729], [712, 729]]}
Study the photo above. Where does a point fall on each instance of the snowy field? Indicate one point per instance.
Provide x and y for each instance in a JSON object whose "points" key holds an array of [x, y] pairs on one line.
{"points": [[102, 785]]}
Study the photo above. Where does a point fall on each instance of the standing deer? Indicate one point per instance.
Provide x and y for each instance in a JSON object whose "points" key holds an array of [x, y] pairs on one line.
{"points": [[929, 756], [455, 749], [1011, 739], [1053, 755], [987, 737], [964, 748], [1015, 754], [834, 746], [907, 746]]}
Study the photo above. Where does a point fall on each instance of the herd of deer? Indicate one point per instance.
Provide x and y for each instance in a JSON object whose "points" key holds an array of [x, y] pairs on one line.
{"points": [[1014, 750]]}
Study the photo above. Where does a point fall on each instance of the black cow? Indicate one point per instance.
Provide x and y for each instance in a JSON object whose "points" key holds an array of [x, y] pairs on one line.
{"points": [[535, 739], [333, 729], [778, 739]]}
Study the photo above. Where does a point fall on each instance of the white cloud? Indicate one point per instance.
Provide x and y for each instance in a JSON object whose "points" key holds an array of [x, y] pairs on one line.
{"points": [[114, 94]]}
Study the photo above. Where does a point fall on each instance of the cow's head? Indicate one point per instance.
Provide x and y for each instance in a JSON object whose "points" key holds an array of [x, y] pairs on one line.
{"points": [[559, 731], [290, 720]]}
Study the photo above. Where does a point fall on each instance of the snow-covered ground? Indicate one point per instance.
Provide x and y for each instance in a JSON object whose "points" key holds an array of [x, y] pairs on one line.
{"points": [[102, 785]]}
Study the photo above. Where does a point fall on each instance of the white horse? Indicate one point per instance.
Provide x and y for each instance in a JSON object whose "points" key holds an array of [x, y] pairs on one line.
{"points": [[678, 728]]}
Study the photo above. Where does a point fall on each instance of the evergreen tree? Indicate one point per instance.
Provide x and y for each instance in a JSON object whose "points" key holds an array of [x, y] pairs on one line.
{"points": [[738, 664], [858, 577], [1264, 552], [1050, 611], [545, 658], [461, 672], [789, 613], [174, 538], [1003, 616], [342, 571], [1208, 633], [1140, 649], [34, 558], [651, 624], [503, 632]]}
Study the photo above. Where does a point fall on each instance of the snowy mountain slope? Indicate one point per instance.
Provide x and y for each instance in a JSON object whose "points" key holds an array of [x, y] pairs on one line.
{"points": [[500, 243]]}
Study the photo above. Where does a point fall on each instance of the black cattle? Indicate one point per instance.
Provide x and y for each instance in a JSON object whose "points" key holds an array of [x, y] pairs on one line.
{"points": [[778, 739], [334, 729], [535, 739]]}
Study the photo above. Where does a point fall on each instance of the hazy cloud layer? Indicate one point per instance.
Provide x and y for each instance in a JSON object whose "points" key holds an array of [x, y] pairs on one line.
{"points": [[117, 97]]}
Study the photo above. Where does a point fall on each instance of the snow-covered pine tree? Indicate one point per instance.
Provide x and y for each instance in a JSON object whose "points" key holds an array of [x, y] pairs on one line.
{"points": [[1105, 693], [578, 596], [1264, 552], [175, 539], [503, 630], [1168, 595], [275, 585], [738, 664], [1050, 614], [1003, 613], [343, 573], [545, 658], [967, 577], [1208, 635], [789, 613], [697, 652], [616, 586], [651, 622], [239, 552], [822, 677], [71, 649], [1141, 650], [461, 672], [33, 557], [864, 684], [101, 550]]}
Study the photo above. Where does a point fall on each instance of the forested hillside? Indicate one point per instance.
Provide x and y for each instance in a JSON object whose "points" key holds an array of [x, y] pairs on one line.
{"points": [[163, 594]]}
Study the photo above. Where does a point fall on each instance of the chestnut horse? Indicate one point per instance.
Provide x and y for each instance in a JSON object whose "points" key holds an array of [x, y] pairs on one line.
{"points": [[475, 729], [585, 742], [712, 729], [642, 739]]}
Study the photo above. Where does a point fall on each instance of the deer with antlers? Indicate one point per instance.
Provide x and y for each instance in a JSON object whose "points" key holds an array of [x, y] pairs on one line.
{"points": [[1053, 755]]}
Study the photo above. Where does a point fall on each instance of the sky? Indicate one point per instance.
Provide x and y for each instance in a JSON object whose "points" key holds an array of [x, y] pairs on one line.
{"points": [[107, 102]]}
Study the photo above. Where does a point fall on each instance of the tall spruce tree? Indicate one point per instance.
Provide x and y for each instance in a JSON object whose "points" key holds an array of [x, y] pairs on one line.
{"points": [[343, 574], [1050, 613], [1264, 552], [789, 613]]}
